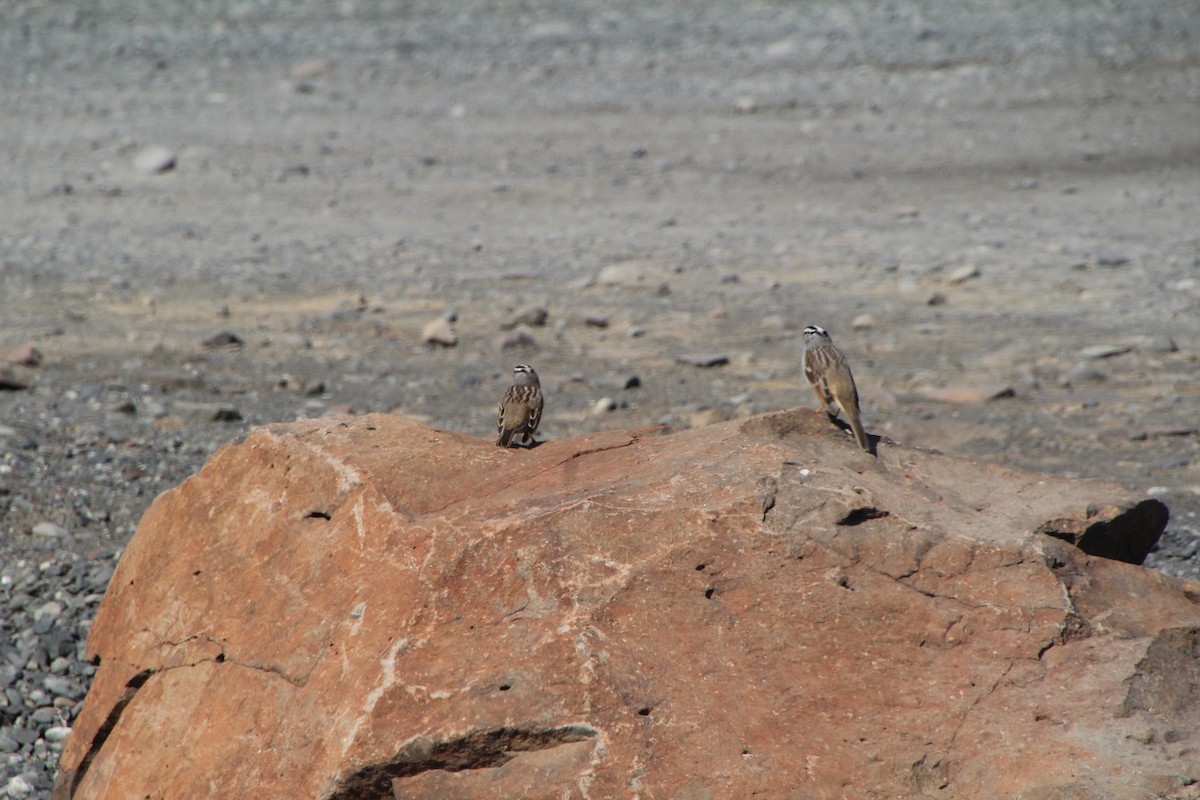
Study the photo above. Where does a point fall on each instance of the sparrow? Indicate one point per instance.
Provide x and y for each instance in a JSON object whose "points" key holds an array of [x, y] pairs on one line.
{"points": [[826, 369], [520, 407]]}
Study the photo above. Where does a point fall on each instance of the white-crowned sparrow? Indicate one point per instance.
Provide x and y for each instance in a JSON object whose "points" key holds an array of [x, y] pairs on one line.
{"points": [[520, 407], [826, 369]]}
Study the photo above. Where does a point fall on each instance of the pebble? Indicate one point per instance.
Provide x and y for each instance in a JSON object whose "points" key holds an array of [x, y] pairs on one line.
{"points": [[533, 317], [14, 378], [703, 360], [963, 274], [223, 339], [1111, 259], [513, 339], [594, 321], [17, 786], [313, 68], [863, 322], [936, 299], [44, 716], [26, 356], [1083, 374], [439, 332], [51, 609], [56, 733], [604, 405], [746, 104], [206, 412], [64, 687], [1158, 344], [1105, 350], [154, 160], [48, 530], [22, 735], [967, 395]]}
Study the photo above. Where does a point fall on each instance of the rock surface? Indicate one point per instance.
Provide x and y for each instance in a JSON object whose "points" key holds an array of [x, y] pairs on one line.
{"points": [[368, 607]]}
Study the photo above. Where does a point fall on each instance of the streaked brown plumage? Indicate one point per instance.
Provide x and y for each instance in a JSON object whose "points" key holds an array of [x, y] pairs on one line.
{"points": [[826, 369], [520, 407]]}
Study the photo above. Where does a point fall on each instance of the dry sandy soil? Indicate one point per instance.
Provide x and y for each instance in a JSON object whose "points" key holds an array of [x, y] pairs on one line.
{"points": [[967, 195]]}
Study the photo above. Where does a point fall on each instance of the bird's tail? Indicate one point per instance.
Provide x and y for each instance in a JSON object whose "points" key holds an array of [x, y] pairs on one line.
{"points": [[506, 437], [860, 435]]}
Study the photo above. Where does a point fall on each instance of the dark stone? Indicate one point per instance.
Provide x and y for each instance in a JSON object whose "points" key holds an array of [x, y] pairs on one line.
{"points": [[223, 339], [21, 735], [703, 360]]}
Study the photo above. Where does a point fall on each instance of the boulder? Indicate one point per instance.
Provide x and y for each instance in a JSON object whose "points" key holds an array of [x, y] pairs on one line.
{"points": [[368, 608]]}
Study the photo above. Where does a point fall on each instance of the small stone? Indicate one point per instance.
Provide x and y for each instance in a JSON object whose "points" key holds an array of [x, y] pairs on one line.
{"points": [[1105, 350], [967, 395], [26, 356], [963, 274], [907, 212], [604, 405], [702, 360], [44, 716], [632, 382], [1156, 431], [17, 786], [153, 408], [936, 299], [14, 378], [439, 332], [63, 687], [1084, 374], [8, 744], [513, 339], [863, 322], [593, 321], [154, 160], [223, 339], [1158, 344], [206, 412], [746, 104], [313, 68], [22, 735], [56, 733], [48, 530], [1111, 260], [533, 317]]}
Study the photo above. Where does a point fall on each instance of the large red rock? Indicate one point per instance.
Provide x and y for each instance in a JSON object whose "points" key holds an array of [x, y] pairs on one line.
{"points": [[367, 607]]}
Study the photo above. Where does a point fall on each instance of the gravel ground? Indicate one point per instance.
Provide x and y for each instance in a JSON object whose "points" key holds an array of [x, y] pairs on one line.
{"points": [[972, 197]]}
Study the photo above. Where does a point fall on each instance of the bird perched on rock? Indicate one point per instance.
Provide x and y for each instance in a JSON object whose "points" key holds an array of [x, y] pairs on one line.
{"points": [[520, 407], [826, 369]]}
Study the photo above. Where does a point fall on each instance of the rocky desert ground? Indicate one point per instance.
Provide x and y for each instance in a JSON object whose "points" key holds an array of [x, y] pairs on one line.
{"points": [[218, 215]]}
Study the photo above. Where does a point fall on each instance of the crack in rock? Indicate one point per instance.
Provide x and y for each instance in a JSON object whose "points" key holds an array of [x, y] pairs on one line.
{"points": [[479, 749], [132, 686]]}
